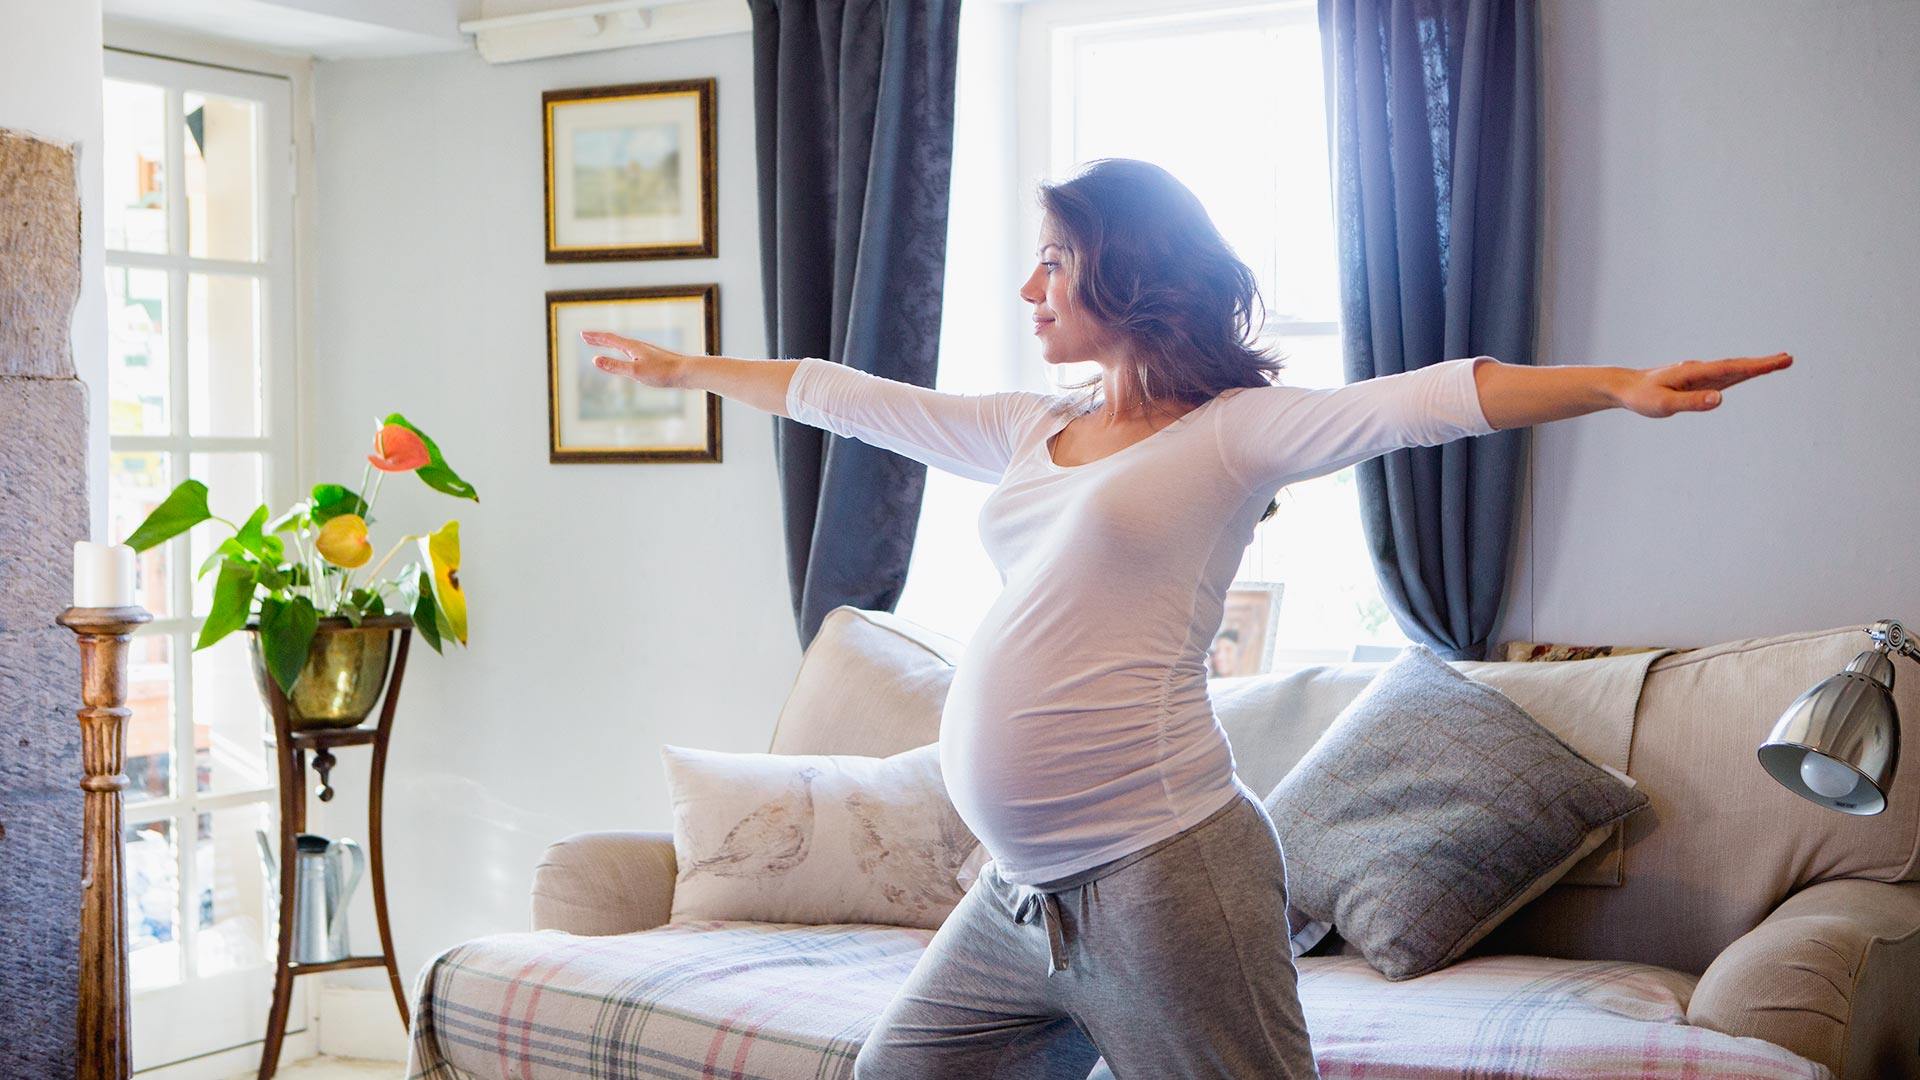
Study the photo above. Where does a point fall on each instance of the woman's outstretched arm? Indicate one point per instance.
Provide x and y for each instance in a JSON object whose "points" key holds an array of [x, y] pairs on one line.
{"points": [[971, 435], [759, 383], [1519, 395]]}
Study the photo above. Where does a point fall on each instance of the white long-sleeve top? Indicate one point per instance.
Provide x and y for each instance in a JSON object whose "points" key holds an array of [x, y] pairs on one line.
{"points": [[1078, 728]]}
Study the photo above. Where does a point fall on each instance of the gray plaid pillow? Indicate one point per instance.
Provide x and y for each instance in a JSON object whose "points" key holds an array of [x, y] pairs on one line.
{"points": [[1432, 809]]}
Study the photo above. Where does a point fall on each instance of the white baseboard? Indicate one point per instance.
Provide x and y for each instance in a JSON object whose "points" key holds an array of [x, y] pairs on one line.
{"points": [[238, 1061], [360, 1022]]}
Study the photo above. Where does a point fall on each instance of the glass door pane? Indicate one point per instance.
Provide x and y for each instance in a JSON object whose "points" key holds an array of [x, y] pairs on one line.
{"points": [[236, 486], [137, 482], [134, 146], [138, 373], [222, 177], [153, 904], [229, 723], [149, 734], [223, 354], [233, 908]]}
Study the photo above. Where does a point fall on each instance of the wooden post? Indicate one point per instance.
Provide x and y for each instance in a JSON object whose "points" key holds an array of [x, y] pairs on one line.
{"points": [[102, 1034]]}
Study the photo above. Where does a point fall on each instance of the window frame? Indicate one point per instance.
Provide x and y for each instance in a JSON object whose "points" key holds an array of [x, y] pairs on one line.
{"points": [[1049, 33], [232, 996]]}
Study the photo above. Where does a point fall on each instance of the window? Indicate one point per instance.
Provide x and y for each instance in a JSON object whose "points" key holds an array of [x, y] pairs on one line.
{"points": [[1234, 107], [198, 221]]}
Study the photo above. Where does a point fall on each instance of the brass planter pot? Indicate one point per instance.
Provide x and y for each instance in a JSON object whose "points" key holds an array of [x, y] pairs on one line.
{"points": [[345, 672]]}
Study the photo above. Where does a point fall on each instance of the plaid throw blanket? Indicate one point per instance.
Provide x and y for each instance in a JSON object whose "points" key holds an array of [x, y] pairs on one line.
{"points": [[786, 1001]]}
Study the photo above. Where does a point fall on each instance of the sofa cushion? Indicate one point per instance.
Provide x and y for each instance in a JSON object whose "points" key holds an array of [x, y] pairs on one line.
{"points": [[777, 1000], [1722, 844], [1273, 719], [1515, 1016], [694, 999], [1430, 810], [870, 682], [814, 838]]}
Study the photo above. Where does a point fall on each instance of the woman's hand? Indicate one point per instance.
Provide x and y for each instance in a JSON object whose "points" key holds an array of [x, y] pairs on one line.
{"points": [[1691, 385], [645, 363]]}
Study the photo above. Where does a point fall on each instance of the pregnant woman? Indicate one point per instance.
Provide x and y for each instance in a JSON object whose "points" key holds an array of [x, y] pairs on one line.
{"points": [[1135, 902]]}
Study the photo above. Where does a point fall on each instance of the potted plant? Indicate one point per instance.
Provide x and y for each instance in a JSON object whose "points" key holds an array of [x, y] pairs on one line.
{"points": [[289, 580]]}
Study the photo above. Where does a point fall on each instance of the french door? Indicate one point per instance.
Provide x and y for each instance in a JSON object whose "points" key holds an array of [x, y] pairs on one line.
{"points": [[198, 213]]}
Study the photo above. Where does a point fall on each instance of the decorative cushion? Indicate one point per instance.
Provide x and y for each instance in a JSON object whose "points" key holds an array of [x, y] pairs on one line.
{"points": [[814, 838], [1523, 651], [1431, 809], [870, 682]]}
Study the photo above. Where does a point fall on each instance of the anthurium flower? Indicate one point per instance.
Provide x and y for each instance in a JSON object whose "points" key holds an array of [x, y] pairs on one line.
{"points": [[343, 541], [442, 550], [398, 449]]}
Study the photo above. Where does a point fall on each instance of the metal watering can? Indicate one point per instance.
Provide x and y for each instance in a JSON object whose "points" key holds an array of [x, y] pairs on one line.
{"points": [[325, 875]]}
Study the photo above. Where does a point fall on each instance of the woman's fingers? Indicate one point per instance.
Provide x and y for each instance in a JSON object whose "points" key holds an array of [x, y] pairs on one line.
{"points": [[617, 366], [1720, 374], [612, 340]]}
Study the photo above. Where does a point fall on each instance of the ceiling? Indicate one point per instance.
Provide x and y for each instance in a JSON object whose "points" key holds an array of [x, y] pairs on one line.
{"points": [[326, 29]]}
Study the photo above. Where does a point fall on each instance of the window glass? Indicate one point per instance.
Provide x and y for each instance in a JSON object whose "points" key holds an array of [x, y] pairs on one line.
{"points": [[223, 354], [153, 906], [138, 374], [133, 146]]}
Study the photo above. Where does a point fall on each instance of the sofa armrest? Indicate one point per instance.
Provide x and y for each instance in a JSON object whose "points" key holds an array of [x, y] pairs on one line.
{"points": [[602, 883], [1830, 976]]}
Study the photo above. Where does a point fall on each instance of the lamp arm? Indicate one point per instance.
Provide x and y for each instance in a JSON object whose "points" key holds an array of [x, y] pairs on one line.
{"points": [[1895, 638]]}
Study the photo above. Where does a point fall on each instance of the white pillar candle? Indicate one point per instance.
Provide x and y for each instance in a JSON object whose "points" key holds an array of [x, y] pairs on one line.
{"points": [[102, 575]]}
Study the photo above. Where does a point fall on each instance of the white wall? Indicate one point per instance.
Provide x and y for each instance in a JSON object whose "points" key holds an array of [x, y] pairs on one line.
{"points": [[614, 607], [50, 72], [1730, 177]]}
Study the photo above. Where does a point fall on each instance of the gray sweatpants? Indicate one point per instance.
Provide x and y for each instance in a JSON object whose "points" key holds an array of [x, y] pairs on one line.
{"points": [[1170, 961]]}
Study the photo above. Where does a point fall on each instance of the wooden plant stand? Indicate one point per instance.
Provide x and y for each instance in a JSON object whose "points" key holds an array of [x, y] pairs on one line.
{"points": [[291, 748]]}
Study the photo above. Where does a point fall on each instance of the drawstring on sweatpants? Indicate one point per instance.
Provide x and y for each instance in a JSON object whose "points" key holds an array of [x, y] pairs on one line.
{"points": [[1047, 906]]}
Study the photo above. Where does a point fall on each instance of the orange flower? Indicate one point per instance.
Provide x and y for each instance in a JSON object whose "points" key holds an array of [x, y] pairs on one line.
{"points": [[397, 449]]}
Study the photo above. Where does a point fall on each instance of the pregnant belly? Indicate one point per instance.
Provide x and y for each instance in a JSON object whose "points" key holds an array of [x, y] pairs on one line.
{"points": [[1037, 763]]}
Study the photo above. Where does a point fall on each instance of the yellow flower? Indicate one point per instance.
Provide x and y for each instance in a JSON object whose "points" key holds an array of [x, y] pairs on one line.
{"points": [[442, 551], [343, 541]]}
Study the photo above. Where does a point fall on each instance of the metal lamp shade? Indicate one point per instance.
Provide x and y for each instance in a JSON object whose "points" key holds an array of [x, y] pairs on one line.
{"points": [[1849, 720]]}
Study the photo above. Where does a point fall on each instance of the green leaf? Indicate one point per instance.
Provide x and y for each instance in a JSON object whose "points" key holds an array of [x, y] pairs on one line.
{"points": [[229, 548], [232, 596], [368, 600], [426, 616], [274, 575], [332, 500], [436, 473], [253, 537], [182, 510], [286, 632]]}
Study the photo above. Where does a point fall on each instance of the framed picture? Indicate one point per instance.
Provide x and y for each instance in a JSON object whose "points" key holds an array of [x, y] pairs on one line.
{"points": [[593, 415], [1244, 643], [630, 171]]}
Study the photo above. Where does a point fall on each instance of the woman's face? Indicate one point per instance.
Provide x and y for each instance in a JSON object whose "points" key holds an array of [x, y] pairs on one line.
{"points": [[1066, 333]]}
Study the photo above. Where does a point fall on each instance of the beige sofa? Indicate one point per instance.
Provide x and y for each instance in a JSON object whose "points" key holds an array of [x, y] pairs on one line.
{"points": [[1744, 933]]}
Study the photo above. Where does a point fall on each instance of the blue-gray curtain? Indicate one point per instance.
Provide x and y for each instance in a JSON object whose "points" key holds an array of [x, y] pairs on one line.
{"points": [[854, 109], [1432, 109]]}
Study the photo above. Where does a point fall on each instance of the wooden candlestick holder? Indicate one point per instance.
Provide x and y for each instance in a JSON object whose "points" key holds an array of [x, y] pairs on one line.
{"points": [[101, 1036]]}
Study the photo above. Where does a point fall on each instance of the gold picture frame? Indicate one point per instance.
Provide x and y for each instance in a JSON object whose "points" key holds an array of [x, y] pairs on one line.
{"points": [[1249, 619], [629, 171], [596, 416]]}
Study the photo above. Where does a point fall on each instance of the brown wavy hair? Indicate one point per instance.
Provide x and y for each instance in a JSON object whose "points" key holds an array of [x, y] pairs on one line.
{"points": [[1149, 265]]}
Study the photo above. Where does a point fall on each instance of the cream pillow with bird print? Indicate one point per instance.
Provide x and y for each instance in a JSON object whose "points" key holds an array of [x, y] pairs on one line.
{"points": [[815, 838]]}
